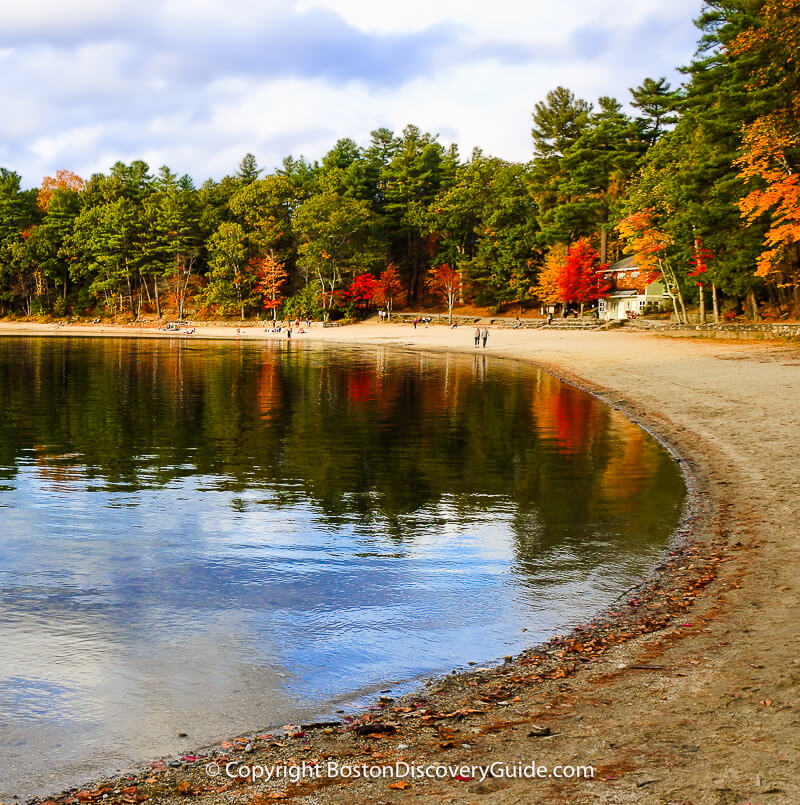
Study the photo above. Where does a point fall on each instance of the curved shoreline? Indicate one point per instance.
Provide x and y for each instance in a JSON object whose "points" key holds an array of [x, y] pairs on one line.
{"points": [[715, 769]]}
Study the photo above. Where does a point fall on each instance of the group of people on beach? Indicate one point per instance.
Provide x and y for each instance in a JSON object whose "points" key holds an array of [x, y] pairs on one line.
{"points": [[287, 328], [481, 335], [176, 329], [278, 328]]}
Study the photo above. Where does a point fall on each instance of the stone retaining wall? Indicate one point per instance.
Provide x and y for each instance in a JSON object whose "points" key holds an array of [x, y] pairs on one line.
{"points": [[502, 321], [744, 330]]}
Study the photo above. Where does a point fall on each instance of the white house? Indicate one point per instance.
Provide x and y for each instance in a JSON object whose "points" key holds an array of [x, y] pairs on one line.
{"points": [[632, 291]]}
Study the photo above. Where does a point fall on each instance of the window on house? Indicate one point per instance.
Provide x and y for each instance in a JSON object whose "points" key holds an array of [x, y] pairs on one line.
{"points": [[642, 301], [634, 273]]}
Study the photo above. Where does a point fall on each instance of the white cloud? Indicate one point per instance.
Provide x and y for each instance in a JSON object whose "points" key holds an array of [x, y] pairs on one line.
{"points": [[511, 19], [197, 84]]}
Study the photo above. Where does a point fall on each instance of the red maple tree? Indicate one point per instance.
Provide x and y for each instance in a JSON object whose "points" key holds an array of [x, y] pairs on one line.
{"points": [[388, 286], [699, 261], [581, 279], [361, 291]]}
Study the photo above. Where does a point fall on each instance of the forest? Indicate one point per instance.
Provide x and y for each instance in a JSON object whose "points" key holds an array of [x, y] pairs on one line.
{"points": [[700, 184]]}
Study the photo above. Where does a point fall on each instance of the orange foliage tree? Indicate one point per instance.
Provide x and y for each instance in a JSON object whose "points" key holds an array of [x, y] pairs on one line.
{"points": [[271, 275], [765, 160], [772, 47], [445, 281], [571, 275], [64, 180], [547, 289], [649, 245], [770, 153]]}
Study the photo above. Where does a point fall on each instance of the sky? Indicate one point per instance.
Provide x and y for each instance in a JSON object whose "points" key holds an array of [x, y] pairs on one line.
{"points": [[197, 84]]}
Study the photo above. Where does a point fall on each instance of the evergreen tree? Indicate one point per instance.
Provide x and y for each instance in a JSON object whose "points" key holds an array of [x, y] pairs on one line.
{"points": [[410, 183], [597, 167], [248, 170], [658, 105], [559, 121]]}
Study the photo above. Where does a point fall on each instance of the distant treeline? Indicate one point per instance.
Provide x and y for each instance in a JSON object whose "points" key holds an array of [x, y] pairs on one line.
{"points": [[702, 184]]}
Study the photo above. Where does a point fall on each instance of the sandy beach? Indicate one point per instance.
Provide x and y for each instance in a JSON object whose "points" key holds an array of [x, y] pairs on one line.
{"points": [[688, 694]]}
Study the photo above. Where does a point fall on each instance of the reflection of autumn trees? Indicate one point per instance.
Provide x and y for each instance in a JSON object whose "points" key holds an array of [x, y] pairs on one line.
{"points": [[374, 434], [564, 416], [56, 472], [630, 480], [267, 389]]}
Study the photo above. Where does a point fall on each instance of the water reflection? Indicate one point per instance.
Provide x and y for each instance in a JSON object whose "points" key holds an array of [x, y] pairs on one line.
{"points": [[206, 538]]}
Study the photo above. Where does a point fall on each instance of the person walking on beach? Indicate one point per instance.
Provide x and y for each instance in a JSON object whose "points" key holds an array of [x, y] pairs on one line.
{"points": [[477, 337], [289, 333], [485, 336]]}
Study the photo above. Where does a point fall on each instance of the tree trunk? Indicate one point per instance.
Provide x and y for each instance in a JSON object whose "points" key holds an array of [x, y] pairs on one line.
{"points": [[158, 302], [409, 294], [715, 302], [675, 308], [702, 303], [603, 245], [683, 305], [751, 299], [775, 297], [130, 287], [794, 264], [414, 280], [674, 290]]}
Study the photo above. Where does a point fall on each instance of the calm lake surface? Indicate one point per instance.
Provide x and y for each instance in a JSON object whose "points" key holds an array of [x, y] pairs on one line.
{"points": [[209, 538]]}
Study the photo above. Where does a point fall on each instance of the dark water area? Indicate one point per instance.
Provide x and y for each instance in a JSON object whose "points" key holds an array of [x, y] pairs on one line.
{"points": [[209, 537]]}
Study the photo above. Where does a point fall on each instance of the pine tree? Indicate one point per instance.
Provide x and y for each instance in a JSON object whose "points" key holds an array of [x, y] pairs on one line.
{"points": [[248, 170], [658, 105]]}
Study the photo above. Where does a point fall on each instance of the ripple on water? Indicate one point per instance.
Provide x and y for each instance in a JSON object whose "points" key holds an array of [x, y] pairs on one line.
{"points": [[207, 540]]}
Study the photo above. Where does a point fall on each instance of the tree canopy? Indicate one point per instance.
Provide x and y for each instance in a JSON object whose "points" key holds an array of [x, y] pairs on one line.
{"points": [[712, 165]]}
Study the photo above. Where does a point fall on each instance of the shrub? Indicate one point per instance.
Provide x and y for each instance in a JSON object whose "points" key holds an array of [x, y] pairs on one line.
{"points": [[302, 305]]}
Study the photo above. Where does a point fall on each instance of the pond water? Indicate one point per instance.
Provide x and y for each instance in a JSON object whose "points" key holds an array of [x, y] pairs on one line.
{"points": [[206, 537]]}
